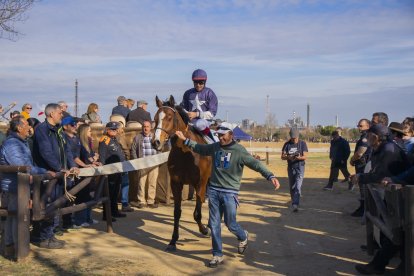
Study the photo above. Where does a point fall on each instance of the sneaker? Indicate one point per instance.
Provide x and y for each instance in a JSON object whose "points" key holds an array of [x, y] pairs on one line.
{"points": [[9, 251], [243, 244], [57, 240], [328, 188], [93, 221], [153, 206], [215, 261], [295, 208], [77, 226], [134, 203], [127, 209], [59, 231], [369, 269], [51, 244], [137, 205]]}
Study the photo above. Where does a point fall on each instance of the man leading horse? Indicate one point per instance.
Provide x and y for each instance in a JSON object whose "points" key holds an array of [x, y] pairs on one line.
{"points": [[229, 159]]}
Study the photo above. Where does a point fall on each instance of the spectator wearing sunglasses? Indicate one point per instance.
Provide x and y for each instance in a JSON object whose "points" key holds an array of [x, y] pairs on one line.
{"points": [[359, 160], [26, 109], [200, 103]]}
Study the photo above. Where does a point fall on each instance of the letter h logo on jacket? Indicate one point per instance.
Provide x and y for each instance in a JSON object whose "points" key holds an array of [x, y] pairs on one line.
{"points": [[222, 159]]}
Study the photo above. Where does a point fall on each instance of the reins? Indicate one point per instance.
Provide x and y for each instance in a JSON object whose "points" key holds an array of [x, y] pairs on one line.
{"points": [[175, 122], [68, 195]]}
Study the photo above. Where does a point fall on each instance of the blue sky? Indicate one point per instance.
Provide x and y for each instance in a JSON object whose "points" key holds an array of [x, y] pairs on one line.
{"points": [[346, 58]]}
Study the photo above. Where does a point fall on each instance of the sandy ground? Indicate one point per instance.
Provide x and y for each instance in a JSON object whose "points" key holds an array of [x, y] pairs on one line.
{"points": [[321, 239]]}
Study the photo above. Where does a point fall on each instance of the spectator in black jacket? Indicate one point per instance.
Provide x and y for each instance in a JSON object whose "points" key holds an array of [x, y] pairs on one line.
{"points": [[110, 151], [339, 154], [50, 151], [359, 159], [387, 160], [140, 114]]}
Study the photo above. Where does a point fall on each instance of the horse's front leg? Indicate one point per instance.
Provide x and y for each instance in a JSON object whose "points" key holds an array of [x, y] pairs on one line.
{"points": [[177, 188]]}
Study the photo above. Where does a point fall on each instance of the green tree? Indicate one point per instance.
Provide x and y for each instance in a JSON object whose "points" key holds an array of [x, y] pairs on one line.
{"points": [[327, 130]]}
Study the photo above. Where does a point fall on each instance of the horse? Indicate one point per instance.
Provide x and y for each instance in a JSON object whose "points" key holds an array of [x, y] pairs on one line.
{"points": [[184, 166]]}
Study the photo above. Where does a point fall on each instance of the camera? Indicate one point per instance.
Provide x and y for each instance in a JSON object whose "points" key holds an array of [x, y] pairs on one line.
{"points": [[293, 154]]}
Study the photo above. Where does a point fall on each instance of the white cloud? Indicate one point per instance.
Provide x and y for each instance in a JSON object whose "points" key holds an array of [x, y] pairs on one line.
{"points": [[261, 47]]}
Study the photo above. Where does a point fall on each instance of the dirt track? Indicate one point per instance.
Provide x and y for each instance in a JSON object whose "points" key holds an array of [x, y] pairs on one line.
{"points": [[322, 239]]}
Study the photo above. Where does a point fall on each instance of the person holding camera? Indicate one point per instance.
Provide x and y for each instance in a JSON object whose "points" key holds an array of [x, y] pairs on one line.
{"points": [[295, 152]]}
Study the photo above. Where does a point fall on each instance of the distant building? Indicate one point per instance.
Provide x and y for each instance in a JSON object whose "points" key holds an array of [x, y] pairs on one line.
{"points": [[248, 124], [296, 122]]}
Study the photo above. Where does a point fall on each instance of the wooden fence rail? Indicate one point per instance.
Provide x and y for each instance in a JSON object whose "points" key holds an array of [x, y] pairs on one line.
{"points": [[41, 210], [391, 210]]}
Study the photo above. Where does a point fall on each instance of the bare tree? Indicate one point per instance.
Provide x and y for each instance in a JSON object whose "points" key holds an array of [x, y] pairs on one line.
{"points": [[12, 11], [270, 125]]}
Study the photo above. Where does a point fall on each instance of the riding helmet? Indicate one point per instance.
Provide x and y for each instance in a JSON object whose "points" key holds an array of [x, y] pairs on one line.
{"points": [[199, 74]]}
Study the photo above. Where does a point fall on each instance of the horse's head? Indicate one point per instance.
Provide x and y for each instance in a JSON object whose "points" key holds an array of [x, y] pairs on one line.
{"points": [[166, 122]]}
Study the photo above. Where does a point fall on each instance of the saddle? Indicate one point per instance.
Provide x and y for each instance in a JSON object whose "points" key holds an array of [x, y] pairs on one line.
{"points": [[207, 134]]}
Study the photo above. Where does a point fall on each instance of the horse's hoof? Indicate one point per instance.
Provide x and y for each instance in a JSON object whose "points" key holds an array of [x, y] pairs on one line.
{"points": [[207, 232], [171, 248]]}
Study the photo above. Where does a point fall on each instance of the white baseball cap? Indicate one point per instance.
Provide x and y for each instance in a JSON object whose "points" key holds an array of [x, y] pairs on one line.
{"points": [[224, 128]]}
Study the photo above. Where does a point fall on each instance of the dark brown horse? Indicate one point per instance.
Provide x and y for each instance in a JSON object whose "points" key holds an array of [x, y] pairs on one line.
{"points": [[184, 166]]}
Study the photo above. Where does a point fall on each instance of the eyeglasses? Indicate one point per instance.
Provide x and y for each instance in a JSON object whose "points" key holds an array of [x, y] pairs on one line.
{"points": [[201, 82], [28, 108]]}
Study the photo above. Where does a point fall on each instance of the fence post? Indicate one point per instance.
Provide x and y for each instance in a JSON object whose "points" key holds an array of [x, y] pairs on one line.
{"points": [[408, 192], [107, 204], [369, 226], [23, 216], [267, 155]]}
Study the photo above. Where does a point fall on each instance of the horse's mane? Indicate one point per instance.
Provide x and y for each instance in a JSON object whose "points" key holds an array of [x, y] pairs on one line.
{"points": [[179, 109], [183, 114]]}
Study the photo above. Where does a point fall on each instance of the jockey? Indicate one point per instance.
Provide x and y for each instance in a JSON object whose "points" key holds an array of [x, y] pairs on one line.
{"points": [[200, 103]]}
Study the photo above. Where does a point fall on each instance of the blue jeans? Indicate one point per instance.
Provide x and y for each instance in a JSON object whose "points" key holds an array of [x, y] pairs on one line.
{"points": [[44, 228], [124, 189], [82, 216], [10, 230], [219, 204], [295, 175]]}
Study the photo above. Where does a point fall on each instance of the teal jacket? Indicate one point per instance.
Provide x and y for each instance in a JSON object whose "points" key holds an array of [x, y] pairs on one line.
{"points": [[228, 164]]}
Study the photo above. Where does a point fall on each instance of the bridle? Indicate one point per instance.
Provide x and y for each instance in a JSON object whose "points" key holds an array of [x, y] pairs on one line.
{"points": [[175, 122]]}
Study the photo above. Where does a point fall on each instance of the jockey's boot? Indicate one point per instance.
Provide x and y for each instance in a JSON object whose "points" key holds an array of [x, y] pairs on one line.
{"points": [[208, 136]]}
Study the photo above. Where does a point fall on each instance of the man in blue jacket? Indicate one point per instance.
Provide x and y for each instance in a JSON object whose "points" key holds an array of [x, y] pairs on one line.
{"points": [[51, 152], [339, 154], [121, 108], [15, 152]]}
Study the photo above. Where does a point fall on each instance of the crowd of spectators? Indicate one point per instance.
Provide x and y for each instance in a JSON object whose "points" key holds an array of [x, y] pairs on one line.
{"points": [[62, 144], [383, 155]]}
